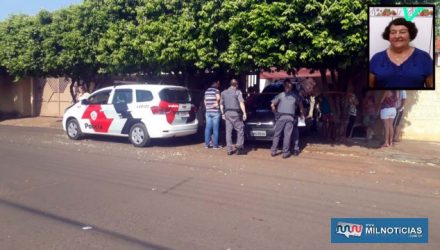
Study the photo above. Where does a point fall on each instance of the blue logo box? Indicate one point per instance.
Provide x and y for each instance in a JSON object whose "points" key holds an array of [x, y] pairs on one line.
{"points": [[379, 230]]}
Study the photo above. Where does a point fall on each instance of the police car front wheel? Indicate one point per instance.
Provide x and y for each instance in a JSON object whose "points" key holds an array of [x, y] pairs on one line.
{"points": [[73, 130], [139, 135]]}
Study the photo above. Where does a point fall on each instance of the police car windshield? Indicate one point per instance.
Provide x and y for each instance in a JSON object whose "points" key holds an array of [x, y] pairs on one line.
{"points": [[175, 95]]}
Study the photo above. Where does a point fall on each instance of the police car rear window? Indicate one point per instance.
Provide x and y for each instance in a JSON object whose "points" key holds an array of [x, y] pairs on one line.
{"points": [[175, 95]]}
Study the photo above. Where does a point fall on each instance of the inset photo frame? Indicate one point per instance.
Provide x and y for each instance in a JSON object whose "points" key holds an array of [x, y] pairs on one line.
{"points": [[401, 47]]}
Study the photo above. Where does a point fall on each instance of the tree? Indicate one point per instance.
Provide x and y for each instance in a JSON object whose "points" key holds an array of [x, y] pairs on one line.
{"points": [[297, 33], [100, 37], [168, 36], [119, 49], [20, 46]]}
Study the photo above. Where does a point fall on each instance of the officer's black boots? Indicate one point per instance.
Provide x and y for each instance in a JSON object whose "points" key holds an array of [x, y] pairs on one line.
{"points": [[240, 151]]}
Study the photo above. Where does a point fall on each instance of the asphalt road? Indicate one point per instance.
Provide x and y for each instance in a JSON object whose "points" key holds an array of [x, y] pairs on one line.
{"points": [[105, 194]]}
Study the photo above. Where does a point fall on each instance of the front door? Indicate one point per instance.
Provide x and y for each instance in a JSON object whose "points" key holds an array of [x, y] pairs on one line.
{"points": [[95, 119]]}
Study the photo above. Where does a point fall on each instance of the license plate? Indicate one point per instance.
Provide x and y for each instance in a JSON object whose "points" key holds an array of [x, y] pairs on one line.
{"points": [[258, 133], [184, 107], [183, 114]]}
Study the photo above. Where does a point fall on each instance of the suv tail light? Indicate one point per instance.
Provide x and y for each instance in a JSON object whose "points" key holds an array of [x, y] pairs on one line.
{"points": [[166, 108]]}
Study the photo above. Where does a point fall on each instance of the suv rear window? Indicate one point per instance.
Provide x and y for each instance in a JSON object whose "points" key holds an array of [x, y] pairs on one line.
{"points": [[262, 101], [175, 95], [274, 88]]}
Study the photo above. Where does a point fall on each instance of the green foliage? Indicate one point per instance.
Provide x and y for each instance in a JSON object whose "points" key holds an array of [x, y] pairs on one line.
{"points": [[152, 36], [297, 33], [20, 45]]}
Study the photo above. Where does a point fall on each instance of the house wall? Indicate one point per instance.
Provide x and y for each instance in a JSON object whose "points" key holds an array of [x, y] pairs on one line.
{"points": [[15, 97], [421, 119]]}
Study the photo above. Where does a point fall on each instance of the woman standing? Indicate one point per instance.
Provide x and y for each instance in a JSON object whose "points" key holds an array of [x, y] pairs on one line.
{"points": [[352, 103], [82, 93], [387, 114]]}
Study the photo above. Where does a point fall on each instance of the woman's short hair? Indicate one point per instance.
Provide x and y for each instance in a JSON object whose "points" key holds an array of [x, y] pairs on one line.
{"points": [[412, 29]]}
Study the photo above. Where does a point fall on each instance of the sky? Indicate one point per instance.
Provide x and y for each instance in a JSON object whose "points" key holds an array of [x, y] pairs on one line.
{"points": [[31, 7]]}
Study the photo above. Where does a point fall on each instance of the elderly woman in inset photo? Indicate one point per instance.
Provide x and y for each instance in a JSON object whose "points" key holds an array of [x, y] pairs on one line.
{"points": [[401, 66]]}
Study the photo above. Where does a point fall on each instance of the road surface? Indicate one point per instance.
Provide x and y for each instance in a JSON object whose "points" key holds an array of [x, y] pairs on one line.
{"points": [[102, 193]]}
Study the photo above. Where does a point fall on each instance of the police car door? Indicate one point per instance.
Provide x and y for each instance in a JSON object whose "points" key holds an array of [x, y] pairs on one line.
{"points": [[120, 110], [94, 119]]}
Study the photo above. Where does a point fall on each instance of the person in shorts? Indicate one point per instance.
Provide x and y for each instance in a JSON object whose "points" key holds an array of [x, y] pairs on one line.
{"points": [[387, 115]]}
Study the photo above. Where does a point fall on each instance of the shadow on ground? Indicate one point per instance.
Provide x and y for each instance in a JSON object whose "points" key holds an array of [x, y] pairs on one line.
{"points": [[79, 225], [163, 142]]}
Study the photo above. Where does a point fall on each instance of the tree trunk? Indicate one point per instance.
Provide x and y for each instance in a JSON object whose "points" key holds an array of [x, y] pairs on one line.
{"points": [[72, 93], [324, 84], [257, 87], [186, 79], [334, 79]]}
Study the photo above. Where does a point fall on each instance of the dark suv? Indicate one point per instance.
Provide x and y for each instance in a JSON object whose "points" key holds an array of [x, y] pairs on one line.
{"points": [[260, 123]]}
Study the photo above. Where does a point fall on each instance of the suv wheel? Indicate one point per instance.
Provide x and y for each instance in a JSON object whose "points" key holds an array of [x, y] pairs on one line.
{"points": [[139, 135], [73, 130]]}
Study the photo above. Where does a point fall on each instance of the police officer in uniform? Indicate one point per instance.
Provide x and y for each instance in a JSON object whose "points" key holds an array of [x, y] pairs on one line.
{"points": [[234, 113], [284, 106]]}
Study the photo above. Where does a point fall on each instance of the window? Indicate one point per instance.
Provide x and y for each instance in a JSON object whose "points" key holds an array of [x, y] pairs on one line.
{"points": [[100, 97], [175, 95], [143, 96], [123, 96]]}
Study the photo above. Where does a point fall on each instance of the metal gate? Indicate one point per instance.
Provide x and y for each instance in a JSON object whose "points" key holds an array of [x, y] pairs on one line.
{"points": [[52, 96]]}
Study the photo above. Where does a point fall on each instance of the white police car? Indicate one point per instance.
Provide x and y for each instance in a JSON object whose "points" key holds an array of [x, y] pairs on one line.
{"points": [[139, 111]]}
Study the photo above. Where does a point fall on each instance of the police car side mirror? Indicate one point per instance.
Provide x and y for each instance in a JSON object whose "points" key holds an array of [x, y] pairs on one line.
{"points": [[85, 102]]}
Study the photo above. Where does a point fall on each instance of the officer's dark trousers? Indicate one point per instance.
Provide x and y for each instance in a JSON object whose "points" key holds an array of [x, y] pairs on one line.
{"points": [[234, 121], [284, 124]]}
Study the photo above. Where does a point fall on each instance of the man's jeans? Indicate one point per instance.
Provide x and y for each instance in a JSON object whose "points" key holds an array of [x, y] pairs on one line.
{"points": [[212, 123]]}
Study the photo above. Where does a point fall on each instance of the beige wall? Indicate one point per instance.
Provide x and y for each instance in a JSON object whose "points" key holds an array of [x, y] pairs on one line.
{"points": [[15, 96], [422, 115]]}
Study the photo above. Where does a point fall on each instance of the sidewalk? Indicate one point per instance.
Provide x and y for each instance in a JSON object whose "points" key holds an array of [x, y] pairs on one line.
{"points": [[415, 153], [40, 122]]}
